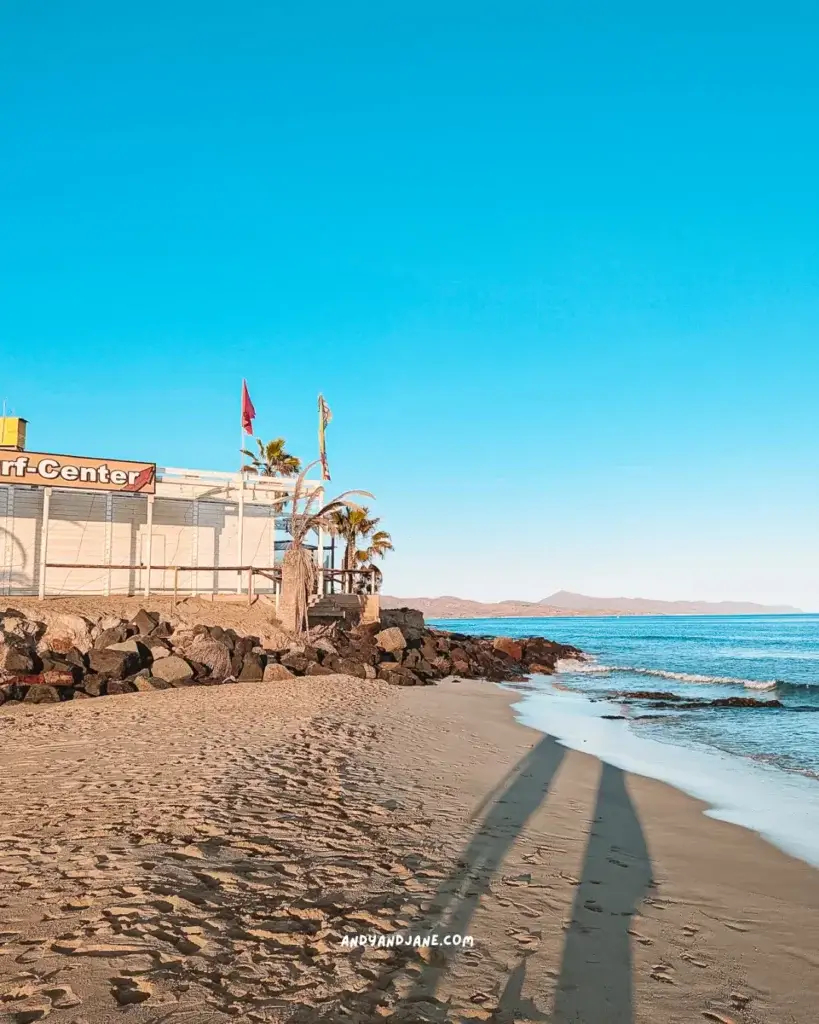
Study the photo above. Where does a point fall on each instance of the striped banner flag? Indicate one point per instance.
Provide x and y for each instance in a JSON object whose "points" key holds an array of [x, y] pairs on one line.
{"points": [[325, 417]]}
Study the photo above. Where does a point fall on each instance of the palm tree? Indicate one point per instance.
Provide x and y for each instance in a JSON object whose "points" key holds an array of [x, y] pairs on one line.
{"points": [[354, 525], [380, 544], [298, 568], [272, 459]]}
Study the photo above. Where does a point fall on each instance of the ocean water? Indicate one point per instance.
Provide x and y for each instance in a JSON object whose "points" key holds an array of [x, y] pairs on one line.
{"points": [[756, 767]]}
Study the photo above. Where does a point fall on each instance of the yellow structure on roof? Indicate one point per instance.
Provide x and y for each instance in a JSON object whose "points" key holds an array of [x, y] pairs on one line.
{"points": [[12, 432]]}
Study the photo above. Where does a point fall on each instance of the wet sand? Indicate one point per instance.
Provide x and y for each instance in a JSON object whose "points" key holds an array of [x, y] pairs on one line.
{"points": [[198, 855]]}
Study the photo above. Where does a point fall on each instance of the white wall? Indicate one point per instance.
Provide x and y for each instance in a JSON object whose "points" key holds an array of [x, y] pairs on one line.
{"points": [[111, 529]]}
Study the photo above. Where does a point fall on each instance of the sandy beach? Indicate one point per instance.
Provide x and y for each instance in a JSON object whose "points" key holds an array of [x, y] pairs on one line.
{"points": [[199, 855]]}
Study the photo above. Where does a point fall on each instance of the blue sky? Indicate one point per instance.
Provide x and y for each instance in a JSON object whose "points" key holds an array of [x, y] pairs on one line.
{"points": [[555, 267]]}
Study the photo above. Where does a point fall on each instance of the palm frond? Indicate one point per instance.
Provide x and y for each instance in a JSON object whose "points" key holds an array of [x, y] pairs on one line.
{"points": [[271, 459], [341, 515]]}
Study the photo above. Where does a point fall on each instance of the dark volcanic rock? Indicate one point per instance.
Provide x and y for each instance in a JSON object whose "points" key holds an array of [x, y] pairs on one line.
{"points": [[149, 654], [408, 620], [538, 650], [391, 640], [114, 635], [113, 664], [245, 644], [14, 657], [119, 686], [61, 665], [397, 675], [154, 643], [460, 663], [316, 669], [412, 659], [645, 695], [275, 673], [12, 693], [145, 622], [252, 668], [721, 702], [223, 636], [350, 667], [174, 670], [42, 695], [666, 701], [295, 662], [214, 655], [159, 684], [74, 656], [134, 646], [508, 647], [362, 650], [93, 685]]}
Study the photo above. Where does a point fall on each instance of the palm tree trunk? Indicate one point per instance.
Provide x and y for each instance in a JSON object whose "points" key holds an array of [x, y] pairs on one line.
{"points": [[298, 583], [348, 564]]}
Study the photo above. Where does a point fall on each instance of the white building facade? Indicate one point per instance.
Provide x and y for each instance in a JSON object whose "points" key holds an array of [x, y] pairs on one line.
{"points": [[200, 532]]}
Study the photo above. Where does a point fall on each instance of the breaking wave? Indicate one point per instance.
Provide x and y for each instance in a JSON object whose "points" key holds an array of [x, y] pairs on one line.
{"points": [[595, 668]]}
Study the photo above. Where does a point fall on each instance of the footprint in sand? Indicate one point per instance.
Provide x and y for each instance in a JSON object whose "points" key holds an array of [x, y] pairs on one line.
{"points": [[692, 960], [527, 940], [662, 972]]}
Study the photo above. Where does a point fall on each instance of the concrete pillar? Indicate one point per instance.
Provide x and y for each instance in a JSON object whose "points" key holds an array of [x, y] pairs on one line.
{"points": [[149, 526], [109, 526], [241, 531], [44, 541]]}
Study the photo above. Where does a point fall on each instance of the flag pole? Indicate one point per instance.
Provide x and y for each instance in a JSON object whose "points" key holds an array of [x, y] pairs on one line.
{"points": [[241, 425], [240, 531]]}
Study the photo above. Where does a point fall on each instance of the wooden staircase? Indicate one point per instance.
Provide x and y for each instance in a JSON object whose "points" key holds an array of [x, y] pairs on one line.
{"points": [[334, 608]]}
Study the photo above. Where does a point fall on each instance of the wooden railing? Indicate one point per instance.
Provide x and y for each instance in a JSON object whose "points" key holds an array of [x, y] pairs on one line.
{"points": [[271, 572], [328, 579], [347, 578]]}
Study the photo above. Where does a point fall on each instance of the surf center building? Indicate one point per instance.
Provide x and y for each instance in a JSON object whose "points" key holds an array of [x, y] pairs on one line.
{"points": [[76, 525]]}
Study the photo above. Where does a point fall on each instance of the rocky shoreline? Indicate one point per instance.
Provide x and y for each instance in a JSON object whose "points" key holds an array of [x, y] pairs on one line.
{"points": [[666, 700], [69, 657]]}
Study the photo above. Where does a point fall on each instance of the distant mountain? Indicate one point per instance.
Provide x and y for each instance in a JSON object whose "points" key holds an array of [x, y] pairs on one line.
{"points": [[564, 603], [460, 608], [648, 606]]}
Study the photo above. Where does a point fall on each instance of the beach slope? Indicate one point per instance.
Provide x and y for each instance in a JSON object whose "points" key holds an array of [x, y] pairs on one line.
{"points": [[200, 854]]}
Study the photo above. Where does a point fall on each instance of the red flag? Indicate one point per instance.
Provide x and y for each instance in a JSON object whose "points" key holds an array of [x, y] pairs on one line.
{"points": [[248, 412]]}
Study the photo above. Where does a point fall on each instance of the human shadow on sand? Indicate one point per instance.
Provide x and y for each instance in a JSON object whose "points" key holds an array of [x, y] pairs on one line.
{"points": [[596, 972], [595, 982], [505, 814]]}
